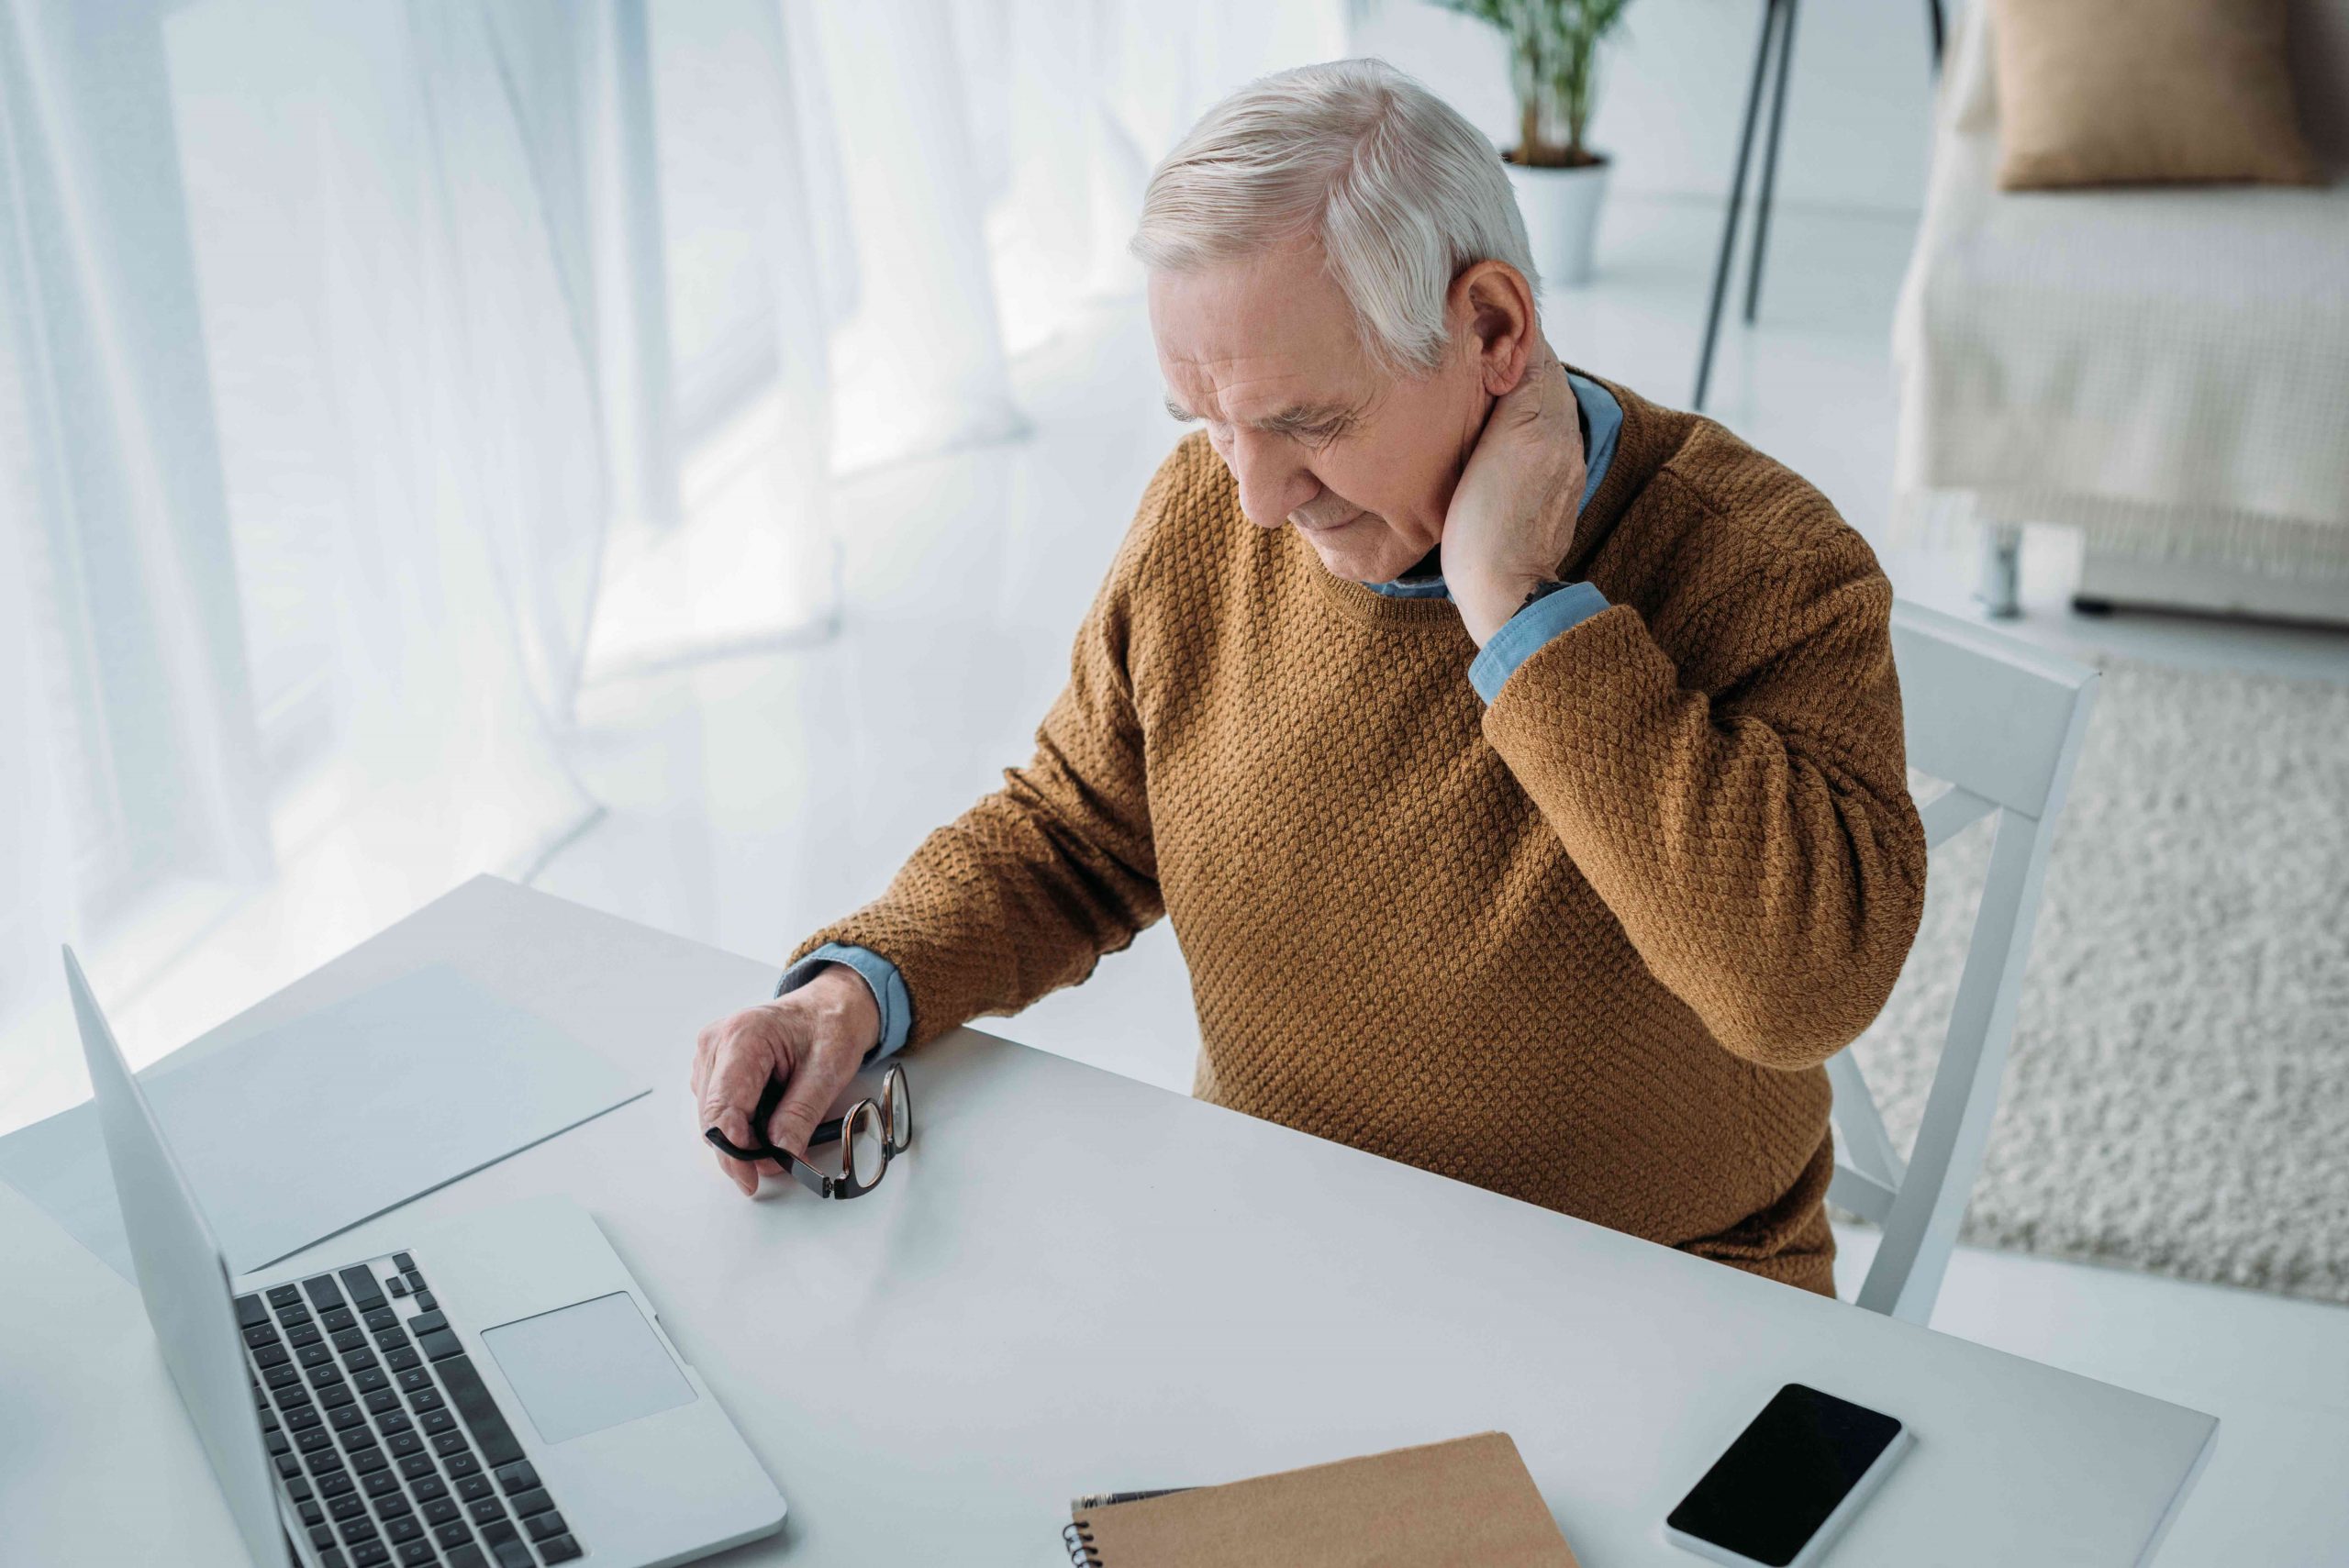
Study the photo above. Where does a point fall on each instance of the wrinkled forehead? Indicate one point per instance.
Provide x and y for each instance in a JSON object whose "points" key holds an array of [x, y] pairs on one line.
{"points": [[1236, 338]]}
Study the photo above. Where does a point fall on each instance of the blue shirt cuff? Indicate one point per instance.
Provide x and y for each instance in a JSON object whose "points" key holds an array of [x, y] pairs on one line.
{"points": [[1523, 634], [880, 976]]}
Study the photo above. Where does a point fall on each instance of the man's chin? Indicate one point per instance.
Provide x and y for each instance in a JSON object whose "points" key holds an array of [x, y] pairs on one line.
{"points": [[1357, 566]]}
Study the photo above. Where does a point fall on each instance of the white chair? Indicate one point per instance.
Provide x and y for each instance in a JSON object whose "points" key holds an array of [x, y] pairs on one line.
{"points": [[2003, 722]]}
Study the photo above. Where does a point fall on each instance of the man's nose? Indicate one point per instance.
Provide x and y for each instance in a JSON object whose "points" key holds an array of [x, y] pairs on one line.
{"points": [[1272, 483]]}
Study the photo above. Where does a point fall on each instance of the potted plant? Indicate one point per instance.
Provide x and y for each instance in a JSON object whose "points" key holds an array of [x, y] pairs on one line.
{"points": [[1554, 55]]}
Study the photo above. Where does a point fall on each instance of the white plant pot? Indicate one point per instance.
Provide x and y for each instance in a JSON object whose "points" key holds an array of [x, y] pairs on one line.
{"points": [[1561, 211]]}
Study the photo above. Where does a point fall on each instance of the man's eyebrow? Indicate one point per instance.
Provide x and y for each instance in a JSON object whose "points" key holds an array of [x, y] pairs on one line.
{"points": [[1287, 421]]}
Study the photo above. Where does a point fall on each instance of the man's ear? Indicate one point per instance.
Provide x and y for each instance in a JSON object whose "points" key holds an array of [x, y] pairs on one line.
{"points": [[1494, 307]]}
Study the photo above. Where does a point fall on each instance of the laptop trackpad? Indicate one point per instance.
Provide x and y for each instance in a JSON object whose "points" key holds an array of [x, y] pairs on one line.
{"points": [[588, 1366]]}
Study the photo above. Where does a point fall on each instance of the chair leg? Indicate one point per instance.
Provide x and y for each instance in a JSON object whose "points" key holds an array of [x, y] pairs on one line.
{"points": [[1736, 200], [1999, 586], [1770, 163]]}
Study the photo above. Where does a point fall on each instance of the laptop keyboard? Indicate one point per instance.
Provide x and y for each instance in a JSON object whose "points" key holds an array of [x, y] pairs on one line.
{"points": [[383, 1435]]}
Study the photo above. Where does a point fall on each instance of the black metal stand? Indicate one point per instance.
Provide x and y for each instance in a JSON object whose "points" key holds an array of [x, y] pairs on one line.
{"points": [[1777, 34]]}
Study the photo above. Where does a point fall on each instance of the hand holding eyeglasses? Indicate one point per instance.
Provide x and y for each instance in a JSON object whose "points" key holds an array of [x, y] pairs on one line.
{"points": [[808, 1042], [869, 1135]]}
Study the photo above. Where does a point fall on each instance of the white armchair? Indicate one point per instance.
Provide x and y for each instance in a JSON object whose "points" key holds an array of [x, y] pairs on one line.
{"points": [[2165, 367]]}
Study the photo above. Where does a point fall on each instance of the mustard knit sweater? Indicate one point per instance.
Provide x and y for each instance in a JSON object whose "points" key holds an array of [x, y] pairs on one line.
{"points": [[1588, 946]]}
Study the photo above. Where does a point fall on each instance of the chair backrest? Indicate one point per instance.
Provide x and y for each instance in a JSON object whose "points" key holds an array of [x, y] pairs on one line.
{"points": [[2003, 722]]}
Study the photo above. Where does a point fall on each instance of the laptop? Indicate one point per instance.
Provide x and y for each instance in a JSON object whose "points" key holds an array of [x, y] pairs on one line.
{"points": [[497, 1394]]}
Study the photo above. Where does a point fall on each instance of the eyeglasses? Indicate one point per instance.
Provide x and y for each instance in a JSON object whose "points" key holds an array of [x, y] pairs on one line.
{"points": [[871, 1134]]}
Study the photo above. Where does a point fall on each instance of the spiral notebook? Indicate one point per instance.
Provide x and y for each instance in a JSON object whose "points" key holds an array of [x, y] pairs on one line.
{"points": [[1469, 1501]]}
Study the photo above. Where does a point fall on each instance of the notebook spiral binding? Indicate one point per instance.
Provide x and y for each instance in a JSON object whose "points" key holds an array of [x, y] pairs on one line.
{"points": [[1080, 1547]]}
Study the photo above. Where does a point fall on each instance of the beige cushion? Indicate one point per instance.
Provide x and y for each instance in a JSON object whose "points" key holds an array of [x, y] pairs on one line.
{"points": [[2117, 91]]}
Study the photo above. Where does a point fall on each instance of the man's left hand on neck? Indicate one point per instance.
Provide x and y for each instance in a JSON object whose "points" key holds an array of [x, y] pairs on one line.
{"points": [[1511, 520]]}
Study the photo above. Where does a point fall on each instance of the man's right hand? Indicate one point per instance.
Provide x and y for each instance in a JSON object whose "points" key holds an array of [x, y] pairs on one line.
{"points": [[812, 1039]]}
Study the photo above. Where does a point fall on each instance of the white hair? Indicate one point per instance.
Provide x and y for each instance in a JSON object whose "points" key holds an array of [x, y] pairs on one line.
{"points": [[1399, 191]]}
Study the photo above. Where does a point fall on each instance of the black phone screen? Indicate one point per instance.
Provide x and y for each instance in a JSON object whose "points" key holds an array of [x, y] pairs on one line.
{"points": [[1785, 1474]]}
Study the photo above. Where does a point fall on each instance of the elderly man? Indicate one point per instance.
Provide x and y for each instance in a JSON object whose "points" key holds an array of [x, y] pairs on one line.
{"points": [[1519, 760]]}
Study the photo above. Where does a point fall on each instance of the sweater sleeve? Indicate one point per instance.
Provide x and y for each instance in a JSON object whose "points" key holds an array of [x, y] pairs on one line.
{"points": [[1758, 839], [1023, 892]]}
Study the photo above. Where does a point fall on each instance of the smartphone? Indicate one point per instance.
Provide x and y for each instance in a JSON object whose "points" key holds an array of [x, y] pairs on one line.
{"points": [[1790, 1483]]}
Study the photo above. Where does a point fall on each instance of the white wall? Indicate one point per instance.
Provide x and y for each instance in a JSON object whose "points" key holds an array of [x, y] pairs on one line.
{"points": [[1673, 87]]}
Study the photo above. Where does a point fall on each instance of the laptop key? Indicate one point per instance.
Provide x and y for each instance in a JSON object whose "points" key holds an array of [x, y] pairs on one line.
{"points": [[392, 1339], [450, 1443], [429, 1489], [416, 1466], [333, 1558], [440, 1344], [349, 1340], [459, 1465], [397, 1285], [382, 1317], [368, 1379], [360, 1283], [425, 1399], [314, 1355], [337, 1485], [391, 1505], [474, 1487], [415, 1278], [287, 1464], [338, 1320], [277, 1442], [485, 1511], [505, 1541], [284, 1296], [542, 1525], [315, 1439], [351, 1504], [404, 1442], [425, 1322], [265, 1334], [440, 1510], [368, 1461], [294, 1316], [299, 1490], [266, 1356], [370, 1554], [311, 1513], [322, 1375], [282, 1376], [435, 1422], [518, 1476], [323, 1291], [381, 1400], [402, 1529], [466, 1556], [453, 1533], [475, 1403], [335, 1395], [357, 1438], [559, 1549], [347, 1416], [358, 1527], [534, 1501], [415, 1378], [380, 1483], [424, 1299], [403, 1359], [252, 1312], [417, 1554]]}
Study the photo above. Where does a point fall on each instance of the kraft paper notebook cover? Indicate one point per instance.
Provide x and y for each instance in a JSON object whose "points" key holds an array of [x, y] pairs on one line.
{"points": [[1465, 1502]]}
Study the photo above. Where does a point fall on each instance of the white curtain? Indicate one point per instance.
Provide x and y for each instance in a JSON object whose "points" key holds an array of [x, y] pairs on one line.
{"points": [[376, 375]]}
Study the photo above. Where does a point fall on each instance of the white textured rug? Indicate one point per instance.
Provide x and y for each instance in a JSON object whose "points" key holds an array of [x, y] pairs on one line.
{"points": [[2177, 1096]]}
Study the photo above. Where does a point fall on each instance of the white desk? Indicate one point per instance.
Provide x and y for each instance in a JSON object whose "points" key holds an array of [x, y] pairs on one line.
{"points": [[1076, 1282]]}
